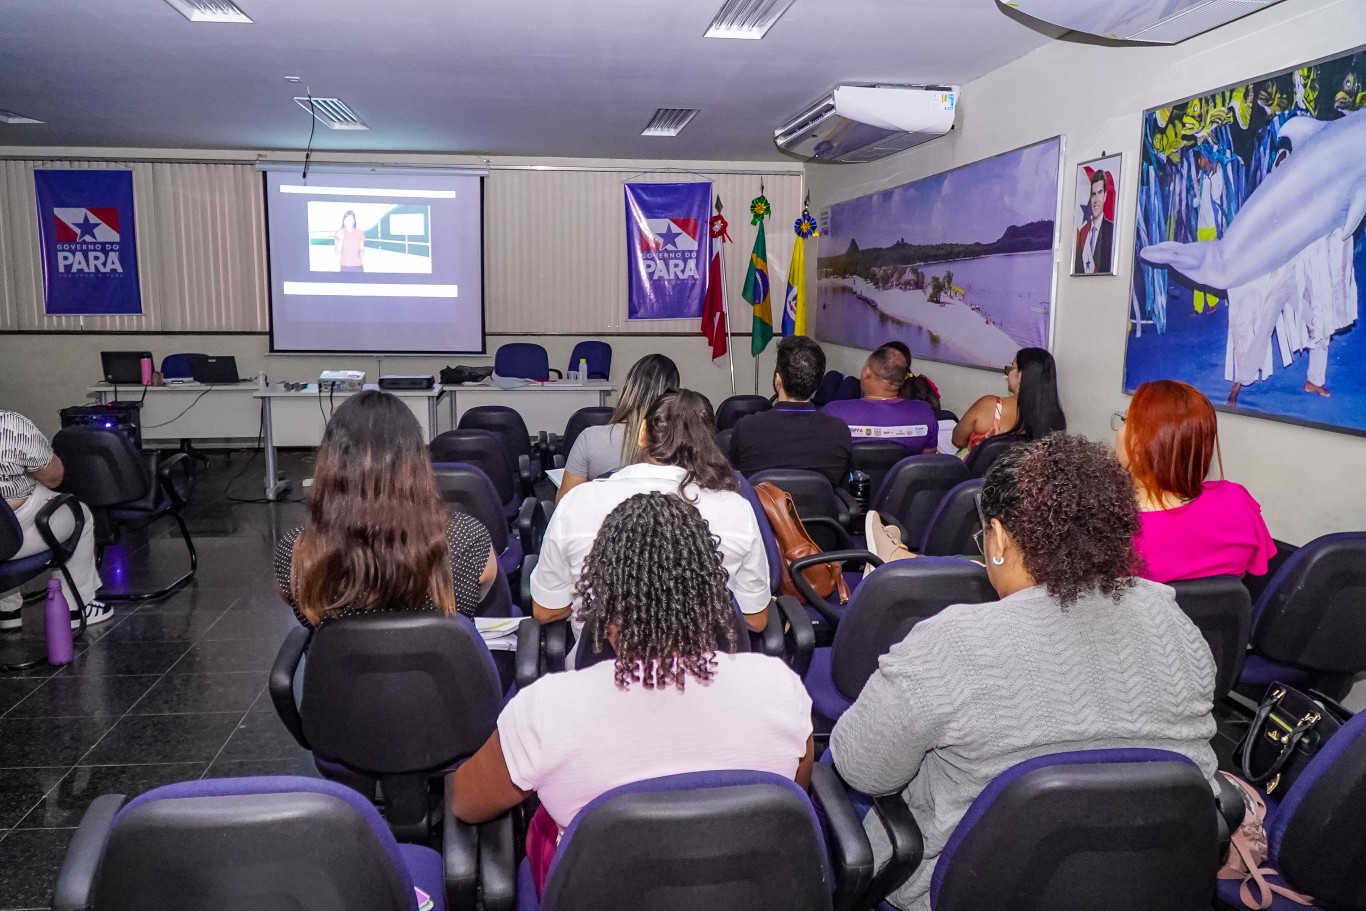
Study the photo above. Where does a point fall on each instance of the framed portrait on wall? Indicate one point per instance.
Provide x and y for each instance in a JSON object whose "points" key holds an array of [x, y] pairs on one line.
{"points": [[1096, 199]]}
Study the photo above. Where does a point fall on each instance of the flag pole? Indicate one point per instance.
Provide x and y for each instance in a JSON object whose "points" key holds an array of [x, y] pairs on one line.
{"points": [[725, 316]]}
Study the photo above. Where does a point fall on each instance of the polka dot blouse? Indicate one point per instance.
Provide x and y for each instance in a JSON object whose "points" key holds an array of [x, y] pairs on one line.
{"points": [[469, 553]]}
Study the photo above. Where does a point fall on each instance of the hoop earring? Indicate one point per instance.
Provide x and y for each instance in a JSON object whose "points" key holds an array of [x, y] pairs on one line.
{"points": [[997, 561]]}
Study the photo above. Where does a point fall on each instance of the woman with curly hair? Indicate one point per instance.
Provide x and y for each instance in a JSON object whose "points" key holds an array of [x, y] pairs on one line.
{"points": [[677, 699], [1189, 528], [1077, 654], [678, 455]]}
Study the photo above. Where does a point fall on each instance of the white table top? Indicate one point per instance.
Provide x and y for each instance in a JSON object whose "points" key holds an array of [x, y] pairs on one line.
{"points": [[533, 386], [277, 391], [135, 390]]}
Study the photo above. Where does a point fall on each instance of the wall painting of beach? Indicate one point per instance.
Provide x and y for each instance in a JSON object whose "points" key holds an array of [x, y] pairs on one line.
{"points": [[959, 266]]}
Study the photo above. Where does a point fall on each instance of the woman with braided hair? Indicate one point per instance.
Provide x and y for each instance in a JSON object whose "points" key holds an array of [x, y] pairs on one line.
{"points": [[677, 699]]}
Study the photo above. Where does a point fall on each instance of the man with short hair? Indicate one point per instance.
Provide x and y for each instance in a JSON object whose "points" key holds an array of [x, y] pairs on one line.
{"points": [[1096, 238], [793, 433], [882, 414]]}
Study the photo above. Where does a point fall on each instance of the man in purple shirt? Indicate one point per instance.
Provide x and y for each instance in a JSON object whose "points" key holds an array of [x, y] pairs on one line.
{"points": [[882, 414]]}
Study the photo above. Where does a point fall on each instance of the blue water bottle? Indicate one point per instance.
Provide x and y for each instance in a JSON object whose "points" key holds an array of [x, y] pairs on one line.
{"points": [[57, 625]]}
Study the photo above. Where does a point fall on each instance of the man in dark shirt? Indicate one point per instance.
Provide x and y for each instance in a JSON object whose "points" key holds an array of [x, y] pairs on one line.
{"points": [[793, 434]]}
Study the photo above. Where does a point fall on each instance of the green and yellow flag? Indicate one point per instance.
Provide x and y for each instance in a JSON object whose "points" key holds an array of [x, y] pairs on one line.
{"points": [[756, 281]]}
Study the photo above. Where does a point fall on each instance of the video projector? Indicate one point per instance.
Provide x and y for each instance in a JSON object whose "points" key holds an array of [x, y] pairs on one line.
{"points": [[341, 381]]}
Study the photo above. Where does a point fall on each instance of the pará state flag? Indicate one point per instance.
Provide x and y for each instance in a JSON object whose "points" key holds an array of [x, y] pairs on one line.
{"points": [[667, 249], [757, 293], [89, 247], [794, 302]]}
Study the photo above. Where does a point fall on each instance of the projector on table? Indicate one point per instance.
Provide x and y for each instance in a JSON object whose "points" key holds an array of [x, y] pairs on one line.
{"points": [[341, 381]]}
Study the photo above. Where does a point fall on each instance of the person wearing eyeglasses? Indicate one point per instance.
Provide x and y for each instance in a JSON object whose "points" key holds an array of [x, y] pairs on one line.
{"points": [[1189, 528], [1077, 655], [1031, 410]]}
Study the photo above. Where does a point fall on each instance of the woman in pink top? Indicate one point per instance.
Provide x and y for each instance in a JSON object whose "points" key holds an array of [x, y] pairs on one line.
{"points": [[677, 699], [349, 242], [1189, 528]]}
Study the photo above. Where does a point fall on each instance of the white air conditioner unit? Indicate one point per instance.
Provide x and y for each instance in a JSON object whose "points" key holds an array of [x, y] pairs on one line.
{"points": [[867, 122]]}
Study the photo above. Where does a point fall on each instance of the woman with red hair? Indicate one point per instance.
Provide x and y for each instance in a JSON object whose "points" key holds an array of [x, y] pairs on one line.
{"points": [[1189, 527]]}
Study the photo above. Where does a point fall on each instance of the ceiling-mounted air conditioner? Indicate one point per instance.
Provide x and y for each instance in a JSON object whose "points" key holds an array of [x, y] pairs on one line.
{"points": [[867, 122]]}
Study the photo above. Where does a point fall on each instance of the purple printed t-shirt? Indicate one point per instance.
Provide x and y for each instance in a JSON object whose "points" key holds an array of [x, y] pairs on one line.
{"points": [[1219, 532], [907, 421]]}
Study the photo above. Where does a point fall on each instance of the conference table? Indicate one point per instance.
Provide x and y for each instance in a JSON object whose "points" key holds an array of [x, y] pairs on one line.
{"points": [[189, 411], [543, 406]]}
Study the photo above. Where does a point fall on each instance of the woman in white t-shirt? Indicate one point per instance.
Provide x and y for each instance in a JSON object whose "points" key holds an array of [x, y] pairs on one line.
{"points": [[677, 699]]}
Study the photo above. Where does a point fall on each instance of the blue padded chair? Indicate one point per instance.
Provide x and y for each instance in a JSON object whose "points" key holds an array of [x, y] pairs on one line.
{"points": [[1221, 609], [16, 572], [389, 701], [484, 450], [524, 458], [824, 510], [739, 406], [1123, 830], [177, 366], [913, 489], [950, 529], [828, 389], [850, 388], [1309, 625], [988, 452], [524, 360], [882, 612], [466, 489], [1314, 835], [559, 446], [597, 354], [224, 844]]}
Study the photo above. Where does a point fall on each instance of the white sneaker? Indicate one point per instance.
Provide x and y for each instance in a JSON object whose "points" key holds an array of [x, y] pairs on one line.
{"points": [[883, 540], [95, 612]]}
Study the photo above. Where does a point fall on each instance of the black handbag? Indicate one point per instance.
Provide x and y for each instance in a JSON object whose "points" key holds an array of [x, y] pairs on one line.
{"points": [[1288, 730]]}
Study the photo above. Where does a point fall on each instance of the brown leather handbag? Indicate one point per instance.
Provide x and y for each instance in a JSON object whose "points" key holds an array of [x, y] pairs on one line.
{"points": [[794, 543]]}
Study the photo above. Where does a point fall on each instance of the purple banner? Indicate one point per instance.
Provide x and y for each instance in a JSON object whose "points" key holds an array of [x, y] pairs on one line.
{"points": [[85, 230], [668, 248]]}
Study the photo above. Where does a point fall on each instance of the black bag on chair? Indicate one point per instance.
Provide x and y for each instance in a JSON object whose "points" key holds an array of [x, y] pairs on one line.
{"points": [[1288, 730]]}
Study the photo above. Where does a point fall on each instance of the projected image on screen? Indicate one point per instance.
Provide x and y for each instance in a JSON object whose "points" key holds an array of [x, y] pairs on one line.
{"points": [[384, 260], [355, 236]]}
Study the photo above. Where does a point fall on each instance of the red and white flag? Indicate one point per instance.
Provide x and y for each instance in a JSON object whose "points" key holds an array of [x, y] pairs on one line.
{"points": [[715, 309]]}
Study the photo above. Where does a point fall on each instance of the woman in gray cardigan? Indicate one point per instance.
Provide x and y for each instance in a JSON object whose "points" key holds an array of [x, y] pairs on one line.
{"points": [[1077, 655]]}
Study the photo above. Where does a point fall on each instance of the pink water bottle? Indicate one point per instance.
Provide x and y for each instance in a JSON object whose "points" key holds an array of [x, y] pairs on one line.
{"points": [[57, 625], [146, 371]]}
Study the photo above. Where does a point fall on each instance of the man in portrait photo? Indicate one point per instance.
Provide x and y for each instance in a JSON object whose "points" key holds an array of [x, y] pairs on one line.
{"points": [[1095, 238]]}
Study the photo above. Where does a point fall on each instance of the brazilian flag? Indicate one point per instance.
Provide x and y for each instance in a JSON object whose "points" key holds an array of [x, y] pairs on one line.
{"points": [[756, 291]]}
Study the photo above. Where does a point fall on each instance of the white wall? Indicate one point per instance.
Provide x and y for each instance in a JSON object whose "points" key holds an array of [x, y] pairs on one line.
{"points": [[1308, 481]]}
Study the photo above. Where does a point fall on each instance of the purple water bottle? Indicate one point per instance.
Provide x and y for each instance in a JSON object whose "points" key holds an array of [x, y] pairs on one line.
{"points": [[57, 625]]}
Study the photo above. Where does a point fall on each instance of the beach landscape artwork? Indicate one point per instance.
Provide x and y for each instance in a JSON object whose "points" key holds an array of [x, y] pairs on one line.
{"points": [[959, 266], [1251, 246]]}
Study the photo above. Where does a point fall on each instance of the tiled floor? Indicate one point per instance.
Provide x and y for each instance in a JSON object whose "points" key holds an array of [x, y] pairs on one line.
{"points": [[164, 692]]}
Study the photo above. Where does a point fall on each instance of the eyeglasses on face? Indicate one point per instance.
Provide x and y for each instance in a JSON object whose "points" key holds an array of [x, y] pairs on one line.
{"points": [[978, 535], [1117, 420], [1007, 368]]}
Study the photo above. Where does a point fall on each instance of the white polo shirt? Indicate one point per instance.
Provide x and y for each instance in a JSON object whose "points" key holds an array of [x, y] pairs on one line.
{"points": [[577, 518]]}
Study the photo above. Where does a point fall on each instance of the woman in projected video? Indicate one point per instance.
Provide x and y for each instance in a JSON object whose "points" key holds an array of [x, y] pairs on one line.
{"points": [[349, 242]]}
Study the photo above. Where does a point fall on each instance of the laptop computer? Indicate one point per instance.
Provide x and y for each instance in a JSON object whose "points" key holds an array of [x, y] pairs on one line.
{"points": [[123, 368], [214, 370]]}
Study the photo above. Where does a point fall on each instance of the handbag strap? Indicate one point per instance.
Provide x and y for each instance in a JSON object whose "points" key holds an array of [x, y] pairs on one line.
{"points": [[1291, 741]]}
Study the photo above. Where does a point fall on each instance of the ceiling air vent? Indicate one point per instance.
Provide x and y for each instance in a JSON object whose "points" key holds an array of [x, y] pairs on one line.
{"points": [[332, 113], [669, 121], [208, 10], [746, 18], [11, 117]]}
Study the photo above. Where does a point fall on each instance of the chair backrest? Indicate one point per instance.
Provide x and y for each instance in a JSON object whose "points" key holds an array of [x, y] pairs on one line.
{"points": [[890, 602], [738, 406], [581, 420], [1124, 830], [771, 551], [723, 841], [466, 488], [484, 450], [522, 359], [1221, 609], [177, 366], [224, 844], [950, 529], [11, 532], [814, 498], [850, 388], [828, 389], [875, 458], [1316, 838], [914, 488], [588, 653], [597, 354], [390, 693], [1313, 614], [504, 421], [980, 460], [103, 467]]}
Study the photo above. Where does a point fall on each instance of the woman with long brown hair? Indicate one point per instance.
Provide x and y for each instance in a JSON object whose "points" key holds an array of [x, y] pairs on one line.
{"points": [[379, 537]]}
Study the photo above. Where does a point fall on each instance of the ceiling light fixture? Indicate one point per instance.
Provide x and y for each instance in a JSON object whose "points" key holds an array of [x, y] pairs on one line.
{"points": [[749, 19], [209, 10], [669, 121], [11, 117], [332, 113]]}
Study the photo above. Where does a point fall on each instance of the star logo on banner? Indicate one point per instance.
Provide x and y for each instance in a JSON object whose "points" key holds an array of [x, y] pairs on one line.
{"points": [[670, 237], [86, 227]]}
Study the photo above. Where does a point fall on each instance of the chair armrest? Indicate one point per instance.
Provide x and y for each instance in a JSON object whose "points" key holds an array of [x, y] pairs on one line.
{"points": [[808, 594], [559, 375], [799, 636], [771, 638], [459, 855], [526, 473], [908, 847], [551, 442], [839, 531], [557, 460], [528, 663], [282, 683], [498, 863], [851, 853], [43, 522], [179, 493], [531, 523], [1231, 810], [75, 889], [555, 643], [524, 581], [848, 508]]}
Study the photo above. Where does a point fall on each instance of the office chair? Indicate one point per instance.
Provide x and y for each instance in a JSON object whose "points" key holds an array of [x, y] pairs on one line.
{"points": [[824, 511], [849, 388], [737, 407], [875, 458], [15, 572], [484, 450], [525, 360], [523, 458], [950, 529], [913, 489], [597, 354], [828, 389], [1221, 609], [466, 489], [177, 366], [989, 451], [558, 447]]}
